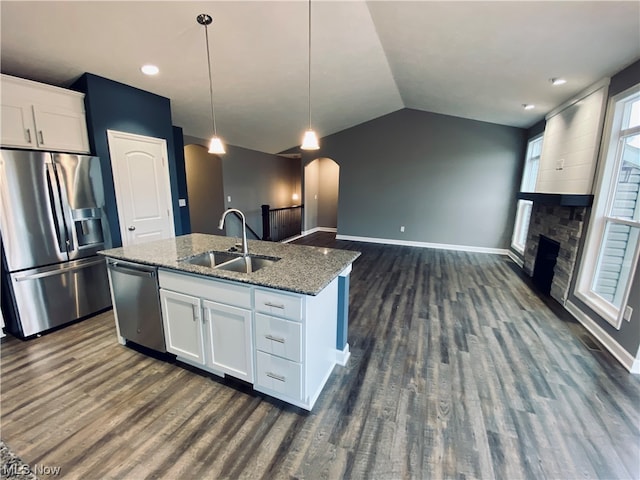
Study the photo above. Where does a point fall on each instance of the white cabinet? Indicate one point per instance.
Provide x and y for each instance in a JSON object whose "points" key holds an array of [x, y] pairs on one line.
{"points": [[184, 332], [295, 341], [281, 342], [42, 117], [229, 339], [224, 326]]}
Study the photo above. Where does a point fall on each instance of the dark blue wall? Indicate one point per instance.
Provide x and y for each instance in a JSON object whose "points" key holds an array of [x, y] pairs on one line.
{"points": [[115, 106], [181, 171]]}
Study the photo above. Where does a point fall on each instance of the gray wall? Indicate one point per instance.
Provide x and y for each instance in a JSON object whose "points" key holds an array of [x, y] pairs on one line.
{"points": [[311, 194], [205, 189], [448, 180], [254, 178], [628, 337], [328, 193]]}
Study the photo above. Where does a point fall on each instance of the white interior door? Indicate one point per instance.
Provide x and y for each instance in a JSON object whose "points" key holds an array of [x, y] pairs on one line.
{"points": [[143, 192]]}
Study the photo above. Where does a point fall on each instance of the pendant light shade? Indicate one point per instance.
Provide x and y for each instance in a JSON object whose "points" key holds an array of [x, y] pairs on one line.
{"points": [[310, 139], [215, 145]]}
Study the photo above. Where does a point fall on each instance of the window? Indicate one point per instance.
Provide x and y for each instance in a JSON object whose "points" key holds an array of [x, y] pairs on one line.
{"points": [[611, 250], [523, 211]]}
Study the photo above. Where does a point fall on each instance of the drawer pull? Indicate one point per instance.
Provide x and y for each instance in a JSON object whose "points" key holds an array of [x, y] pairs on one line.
{"points": [[274, 305], [275, 376], [28, 135], [275, 339]]}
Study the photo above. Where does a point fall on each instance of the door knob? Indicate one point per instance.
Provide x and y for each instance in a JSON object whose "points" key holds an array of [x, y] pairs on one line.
{"points": [[132, 228]]}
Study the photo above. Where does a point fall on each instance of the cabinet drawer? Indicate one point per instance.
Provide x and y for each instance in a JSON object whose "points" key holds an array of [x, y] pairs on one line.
{"points": [[206, 288], [279, 304], [279, 375], [279, 337]]}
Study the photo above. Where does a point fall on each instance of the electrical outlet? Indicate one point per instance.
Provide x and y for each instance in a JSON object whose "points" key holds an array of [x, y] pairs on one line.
{"points": [[628, 311], [182, 202], [560, 164], [402, 228], [229, 198]]}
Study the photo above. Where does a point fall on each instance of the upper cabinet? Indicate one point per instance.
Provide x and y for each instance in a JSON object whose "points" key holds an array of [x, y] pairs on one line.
{"points": [[42, 117], [570, 143]]}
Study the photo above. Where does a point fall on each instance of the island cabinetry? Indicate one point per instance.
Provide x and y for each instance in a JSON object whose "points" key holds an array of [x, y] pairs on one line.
{"points": [[42, 117], [295, 342], [208, 323], [184, 332]]}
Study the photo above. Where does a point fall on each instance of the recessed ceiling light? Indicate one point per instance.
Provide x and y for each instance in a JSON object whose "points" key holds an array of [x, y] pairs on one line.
{"points": [[528, 106], [149, 69], [557, 81]]}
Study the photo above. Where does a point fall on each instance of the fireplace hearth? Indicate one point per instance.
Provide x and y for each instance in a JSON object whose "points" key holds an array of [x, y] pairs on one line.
{"points": [[564, 226]]}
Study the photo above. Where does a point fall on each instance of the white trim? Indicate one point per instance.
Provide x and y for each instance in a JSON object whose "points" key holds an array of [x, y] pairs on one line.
{"points": [[309, 232], [583, 94], [624, 357], [437, 246], [342, 356], [319, 229], [516, 259]]}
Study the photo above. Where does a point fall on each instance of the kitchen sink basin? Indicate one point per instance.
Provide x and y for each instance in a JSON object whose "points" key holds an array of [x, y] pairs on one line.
{"points": [[247, 264], [230, 261], [210, 259]]}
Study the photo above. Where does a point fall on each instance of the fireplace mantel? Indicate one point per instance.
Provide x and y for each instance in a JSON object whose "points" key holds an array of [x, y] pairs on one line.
{"points": [[559, 199]]}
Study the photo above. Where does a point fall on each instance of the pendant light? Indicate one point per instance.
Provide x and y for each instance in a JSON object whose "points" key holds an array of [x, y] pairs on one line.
{"points": [[215, 145], [310, 139]]}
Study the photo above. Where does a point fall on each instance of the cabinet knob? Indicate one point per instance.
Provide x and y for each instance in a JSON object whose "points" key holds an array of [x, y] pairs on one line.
{"points": [[131, 228]]}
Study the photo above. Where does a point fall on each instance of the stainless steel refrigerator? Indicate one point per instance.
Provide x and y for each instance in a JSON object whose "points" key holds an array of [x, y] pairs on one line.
{"points": [[52, 223]]}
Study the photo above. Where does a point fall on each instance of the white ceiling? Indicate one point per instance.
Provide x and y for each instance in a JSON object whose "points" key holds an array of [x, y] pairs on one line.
{"points": [[479, 60]]}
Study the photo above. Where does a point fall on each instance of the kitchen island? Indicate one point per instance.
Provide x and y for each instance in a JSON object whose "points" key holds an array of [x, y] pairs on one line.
{"points": [[276, 328]]}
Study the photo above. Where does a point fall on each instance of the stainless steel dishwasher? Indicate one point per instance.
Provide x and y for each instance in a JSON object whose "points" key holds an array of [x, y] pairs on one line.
{"points": [[137, 303]]}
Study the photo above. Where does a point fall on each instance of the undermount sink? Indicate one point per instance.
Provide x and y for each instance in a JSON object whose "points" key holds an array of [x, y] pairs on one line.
{"points": [[230, 261], [210, 259], [247, 264]]}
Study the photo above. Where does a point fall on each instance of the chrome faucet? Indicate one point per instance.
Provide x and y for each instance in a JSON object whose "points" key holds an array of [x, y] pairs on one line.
{"points": [[245, 248]]}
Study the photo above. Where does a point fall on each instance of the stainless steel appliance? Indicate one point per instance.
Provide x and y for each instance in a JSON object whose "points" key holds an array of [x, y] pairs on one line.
{"points": [[137, 303], [52, 223]]}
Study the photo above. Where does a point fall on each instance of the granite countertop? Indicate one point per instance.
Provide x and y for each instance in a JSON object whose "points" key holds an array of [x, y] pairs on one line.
{"points": [[301, 269]]}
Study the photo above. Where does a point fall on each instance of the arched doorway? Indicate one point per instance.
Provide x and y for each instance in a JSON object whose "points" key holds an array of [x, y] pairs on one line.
{"points": [[321, 191]]}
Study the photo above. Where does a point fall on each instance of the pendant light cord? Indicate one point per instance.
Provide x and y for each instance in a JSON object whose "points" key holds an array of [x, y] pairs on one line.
{"points": [[309, 64], [213, 115]]}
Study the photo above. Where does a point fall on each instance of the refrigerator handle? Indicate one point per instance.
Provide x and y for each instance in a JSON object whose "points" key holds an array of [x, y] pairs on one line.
{"points": [[54, 197]]}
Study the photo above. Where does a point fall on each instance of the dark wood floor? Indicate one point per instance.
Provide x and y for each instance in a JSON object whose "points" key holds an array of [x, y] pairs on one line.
{"points": [[458, 370]]}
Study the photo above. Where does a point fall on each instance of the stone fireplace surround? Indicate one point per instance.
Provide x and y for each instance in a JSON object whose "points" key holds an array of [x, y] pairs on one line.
{"points": [[564, 224]]}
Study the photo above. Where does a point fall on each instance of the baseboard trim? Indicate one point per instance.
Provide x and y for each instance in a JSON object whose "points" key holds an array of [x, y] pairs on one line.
{"points": [[342, 356], [516, 259], [319, 229], [438, 246], [625, 358]]}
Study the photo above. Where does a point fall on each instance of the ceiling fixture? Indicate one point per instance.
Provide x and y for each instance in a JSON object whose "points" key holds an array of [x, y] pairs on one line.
{"points": [[149, 69], [528, 106], [557, 81], [310, 139], [215, 145]]}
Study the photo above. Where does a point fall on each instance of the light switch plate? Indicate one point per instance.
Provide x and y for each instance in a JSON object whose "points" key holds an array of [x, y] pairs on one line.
{"points": [[182, 202], [628, 311]]}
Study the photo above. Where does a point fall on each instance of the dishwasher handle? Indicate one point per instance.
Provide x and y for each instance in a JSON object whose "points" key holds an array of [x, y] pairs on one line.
{"points": [[131, 270]]}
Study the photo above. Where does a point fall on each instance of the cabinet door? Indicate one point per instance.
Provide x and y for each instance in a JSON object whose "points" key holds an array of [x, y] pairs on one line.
{"points": [[229, 339], [60, 129], [17, 125], [183, 329]]}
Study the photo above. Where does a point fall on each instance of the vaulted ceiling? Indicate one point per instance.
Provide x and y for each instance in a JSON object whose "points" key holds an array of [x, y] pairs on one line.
{"points": [[478, 60]]}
